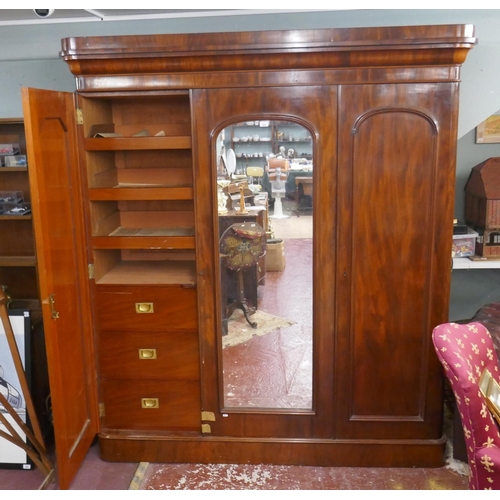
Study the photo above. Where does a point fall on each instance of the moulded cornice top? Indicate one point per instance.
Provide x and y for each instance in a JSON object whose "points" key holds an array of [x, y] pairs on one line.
{"points": [[339, 47], [335, 38]]}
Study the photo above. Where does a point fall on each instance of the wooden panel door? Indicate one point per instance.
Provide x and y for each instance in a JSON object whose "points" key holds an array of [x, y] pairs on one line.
{"points": [[60, 241], [396, 178], [314, 108]]}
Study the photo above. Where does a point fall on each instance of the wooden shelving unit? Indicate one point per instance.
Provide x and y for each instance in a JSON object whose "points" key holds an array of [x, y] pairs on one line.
{"points": [[18, 271]]}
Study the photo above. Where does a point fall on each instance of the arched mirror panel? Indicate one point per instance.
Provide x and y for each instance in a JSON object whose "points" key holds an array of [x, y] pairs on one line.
{"points": [[265, 227]]}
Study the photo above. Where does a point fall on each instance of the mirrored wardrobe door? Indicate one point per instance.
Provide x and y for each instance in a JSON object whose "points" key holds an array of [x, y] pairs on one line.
{"points": [[265, 229], [269, 369]]}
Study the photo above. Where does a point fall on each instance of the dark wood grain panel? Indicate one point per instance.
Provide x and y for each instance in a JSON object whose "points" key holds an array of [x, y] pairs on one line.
{"points": [[132, 446], [391, 255], [397, 261], [176, 355], [175, 308], [178, 405], [278, 50], [92, 84], [17, 237]]}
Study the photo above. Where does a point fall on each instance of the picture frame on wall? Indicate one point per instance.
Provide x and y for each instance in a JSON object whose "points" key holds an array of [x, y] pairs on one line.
{"points": [[12, 456], [488, 132]]}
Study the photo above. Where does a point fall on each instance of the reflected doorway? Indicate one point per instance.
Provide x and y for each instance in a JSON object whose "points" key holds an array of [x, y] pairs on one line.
{"points": [[265, 200]]}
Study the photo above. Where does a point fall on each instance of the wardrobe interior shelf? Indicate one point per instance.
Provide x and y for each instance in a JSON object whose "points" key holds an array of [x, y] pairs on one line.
{"points": [[138, 242], [142, 193], [136, 143], [150, 273]]}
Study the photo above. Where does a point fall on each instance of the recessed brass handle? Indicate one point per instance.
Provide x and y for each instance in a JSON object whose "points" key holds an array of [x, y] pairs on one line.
{"points": [[150, 403], [147, 353], [144, 307]]}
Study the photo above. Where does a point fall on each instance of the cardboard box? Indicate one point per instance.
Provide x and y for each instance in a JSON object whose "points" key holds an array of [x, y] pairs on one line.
{"points": [[275, 255]]}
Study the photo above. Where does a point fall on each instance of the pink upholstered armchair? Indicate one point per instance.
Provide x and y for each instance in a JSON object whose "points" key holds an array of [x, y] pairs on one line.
{"points": [[465, 350]]}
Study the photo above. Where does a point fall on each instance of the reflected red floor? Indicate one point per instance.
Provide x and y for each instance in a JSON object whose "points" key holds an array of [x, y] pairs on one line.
{"points": [[275, 370]]}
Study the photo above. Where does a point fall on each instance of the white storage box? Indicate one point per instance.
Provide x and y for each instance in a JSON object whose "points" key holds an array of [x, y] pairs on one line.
{"points": [[464, 245]]}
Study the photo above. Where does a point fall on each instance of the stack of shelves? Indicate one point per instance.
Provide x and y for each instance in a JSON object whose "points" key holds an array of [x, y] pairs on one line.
{"points": [[254, 140], [142, 243], [18, 271]]}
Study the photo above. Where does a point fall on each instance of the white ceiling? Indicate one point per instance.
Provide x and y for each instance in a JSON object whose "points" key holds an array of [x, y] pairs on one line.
{"points": [[12, 17]]}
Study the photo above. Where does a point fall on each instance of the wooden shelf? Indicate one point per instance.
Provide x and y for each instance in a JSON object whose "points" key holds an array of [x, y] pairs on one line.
{"points": [[151, 273], [143, 242], [4, 170], [17, 261], [151, 232], [143, 193], [15, 217], [137, 143], [466, 263]]}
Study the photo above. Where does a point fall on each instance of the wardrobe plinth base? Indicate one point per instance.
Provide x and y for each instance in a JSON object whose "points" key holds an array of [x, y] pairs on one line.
{"points": [[320, 453]]}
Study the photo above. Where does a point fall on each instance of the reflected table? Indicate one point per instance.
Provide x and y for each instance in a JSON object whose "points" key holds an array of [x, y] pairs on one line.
{"points": [[290, 189], [251, 277]]}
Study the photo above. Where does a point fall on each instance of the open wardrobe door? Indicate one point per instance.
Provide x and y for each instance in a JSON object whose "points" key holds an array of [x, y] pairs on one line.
{"points": [[63, 276]]}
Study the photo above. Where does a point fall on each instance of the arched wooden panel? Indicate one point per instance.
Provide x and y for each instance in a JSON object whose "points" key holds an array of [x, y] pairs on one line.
{"points": [[393, 162]]}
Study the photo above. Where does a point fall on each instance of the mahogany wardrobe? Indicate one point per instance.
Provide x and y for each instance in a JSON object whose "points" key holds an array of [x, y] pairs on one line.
{"points": [[123, 176]]}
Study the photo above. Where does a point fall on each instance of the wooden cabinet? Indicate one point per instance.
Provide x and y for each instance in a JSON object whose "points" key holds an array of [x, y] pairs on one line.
{"points": [[131, 265]]}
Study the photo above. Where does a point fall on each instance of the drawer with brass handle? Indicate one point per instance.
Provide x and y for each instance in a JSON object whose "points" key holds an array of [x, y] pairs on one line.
{"points": [[146, 355], [146, 308], [151, 405]]}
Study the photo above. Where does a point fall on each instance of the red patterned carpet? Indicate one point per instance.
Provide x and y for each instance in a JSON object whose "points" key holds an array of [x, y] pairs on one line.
{"points": [[274, 370]]}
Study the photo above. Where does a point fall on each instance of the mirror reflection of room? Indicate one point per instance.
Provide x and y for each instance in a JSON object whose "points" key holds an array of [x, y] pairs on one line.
{"points": [[265, 213]]}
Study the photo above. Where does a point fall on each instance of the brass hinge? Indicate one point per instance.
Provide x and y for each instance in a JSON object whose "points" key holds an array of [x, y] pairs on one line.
{"points": [[91, 271], [208, 415], [79, 116], [102, 413]]}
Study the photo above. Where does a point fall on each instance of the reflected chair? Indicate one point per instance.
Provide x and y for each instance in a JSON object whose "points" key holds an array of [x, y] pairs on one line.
{"points": [[466, 351], [255, 175], [277, 169]]}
